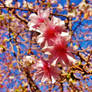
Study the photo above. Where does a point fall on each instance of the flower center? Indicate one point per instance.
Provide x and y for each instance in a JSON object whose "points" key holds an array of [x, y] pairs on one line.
{"points": [[60, 49], [40, 20], [50, 33]]}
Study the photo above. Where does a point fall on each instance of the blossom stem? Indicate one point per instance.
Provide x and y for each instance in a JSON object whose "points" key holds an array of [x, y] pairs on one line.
{"points": [[31, 83]]}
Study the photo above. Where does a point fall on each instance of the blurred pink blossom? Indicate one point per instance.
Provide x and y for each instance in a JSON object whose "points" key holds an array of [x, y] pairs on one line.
{"points": [[46, 71], [40, 17], [49, 30], [61, 51]]}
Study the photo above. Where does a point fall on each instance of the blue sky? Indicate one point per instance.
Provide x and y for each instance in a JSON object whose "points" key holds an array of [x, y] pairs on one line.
{"points": [[83, 44]]}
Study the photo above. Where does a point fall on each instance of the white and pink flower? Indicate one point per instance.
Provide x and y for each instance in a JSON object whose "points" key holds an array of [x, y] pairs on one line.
{"points": [[29, 60], [46, 71], [40, 17], [50, 30], [61, 51]]}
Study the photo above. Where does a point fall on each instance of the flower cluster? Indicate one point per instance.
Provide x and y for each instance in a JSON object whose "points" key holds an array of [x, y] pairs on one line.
{"points": [[53, 39]]}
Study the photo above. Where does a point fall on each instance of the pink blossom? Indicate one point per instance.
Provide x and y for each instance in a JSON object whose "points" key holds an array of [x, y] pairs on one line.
{"points": [[46, 71], [28, 60], [49, 34], [61, 51], [41, 16], [50, 30]]}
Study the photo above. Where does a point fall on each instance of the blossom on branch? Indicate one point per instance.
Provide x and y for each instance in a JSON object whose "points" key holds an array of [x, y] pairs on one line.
{"points": [[28, 60], [46, 71], [8, 3], [83, 6], [49, 30], [53, 40], [41, 17], [61, 51]]}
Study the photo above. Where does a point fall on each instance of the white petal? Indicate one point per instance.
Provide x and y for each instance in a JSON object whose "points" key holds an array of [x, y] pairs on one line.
{"points": [[30, 25], [71, 14], [28, 57], [63, 62], [40, 40], [32, 15], [65, 34], [71, 58], [57, 21], [39, 64], [37, 30], [47, 46], [47, 52], [44, 78], [82, 4], [53, 79], [46, 13], [62, 23], [8, 2], [54, 62], [30, 5]]}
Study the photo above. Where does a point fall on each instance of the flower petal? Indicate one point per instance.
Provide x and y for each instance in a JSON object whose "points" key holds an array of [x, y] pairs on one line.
{"points": [[54, 62], [57, 21], [71, 59], [53, 79]]}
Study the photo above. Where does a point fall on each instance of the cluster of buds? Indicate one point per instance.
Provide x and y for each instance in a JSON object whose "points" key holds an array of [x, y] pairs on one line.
{"points": [[53, 40]]}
